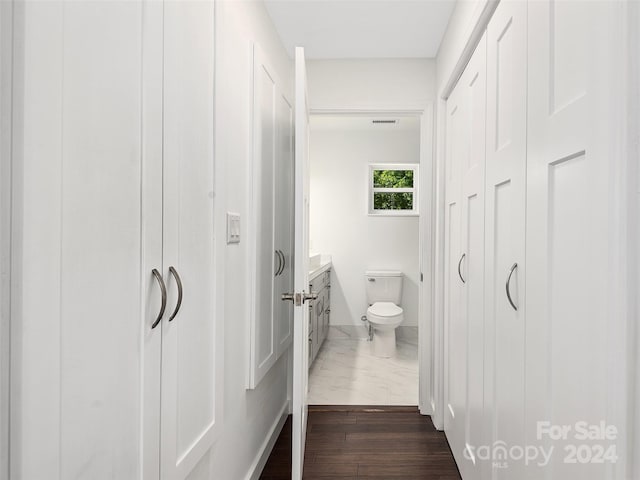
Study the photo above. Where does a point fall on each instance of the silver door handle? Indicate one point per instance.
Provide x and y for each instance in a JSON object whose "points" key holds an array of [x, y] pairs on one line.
{"points": [[299, 298], [163, 290], [309, 296], [284, 262], [288, 297], [508, 285], [459, 265], [174, 272], [277, 254]]}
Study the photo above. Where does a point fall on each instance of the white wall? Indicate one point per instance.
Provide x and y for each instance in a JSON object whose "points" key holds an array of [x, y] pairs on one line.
{"points": [[340, 224], [248, 414], [375, 83]]}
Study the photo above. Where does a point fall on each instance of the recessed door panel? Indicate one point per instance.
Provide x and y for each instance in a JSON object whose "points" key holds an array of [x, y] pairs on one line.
{"points": [[283, 311], [567, 56], [509, 338], [455, 334], [264, 183]]}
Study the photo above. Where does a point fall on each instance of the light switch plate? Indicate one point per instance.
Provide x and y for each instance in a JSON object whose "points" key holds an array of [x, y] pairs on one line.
{"points": [[233, 227]]}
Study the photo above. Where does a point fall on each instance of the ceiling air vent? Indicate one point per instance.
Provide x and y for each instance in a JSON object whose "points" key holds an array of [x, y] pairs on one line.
{"points": [[387, 122]]}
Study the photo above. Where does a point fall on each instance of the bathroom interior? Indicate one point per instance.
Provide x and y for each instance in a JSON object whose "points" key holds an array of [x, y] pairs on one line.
{"points": [[364, 259]]}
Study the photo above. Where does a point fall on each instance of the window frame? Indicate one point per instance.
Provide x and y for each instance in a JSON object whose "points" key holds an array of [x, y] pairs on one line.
{"points": [[371, 190]]}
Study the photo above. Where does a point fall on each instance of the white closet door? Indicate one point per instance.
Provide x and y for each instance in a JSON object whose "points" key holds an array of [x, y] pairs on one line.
{"points": [[473, 83], [455, 334], [467, 106], [571, 228], [505, 232], [189, 341], [283, 311], [82, 350]]}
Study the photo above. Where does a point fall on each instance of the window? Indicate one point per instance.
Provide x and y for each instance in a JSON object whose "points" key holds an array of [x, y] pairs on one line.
{"points": [[393, 189]]}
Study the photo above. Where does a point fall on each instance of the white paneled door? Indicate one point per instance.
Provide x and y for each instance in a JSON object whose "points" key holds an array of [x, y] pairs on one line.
{"points": [[573, 336], [301, 267], [465, 267], [454, 339], [472, 246], [506, 151]]}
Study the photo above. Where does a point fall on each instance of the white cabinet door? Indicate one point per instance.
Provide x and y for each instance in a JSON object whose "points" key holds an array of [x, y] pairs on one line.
{"points": [[505, 232], [573, 341], [465, 348], [84, 359], [270, 224], [263, 252], [189, 338]]}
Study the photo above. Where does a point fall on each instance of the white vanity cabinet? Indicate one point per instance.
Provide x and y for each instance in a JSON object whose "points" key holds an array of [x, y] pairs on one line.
{"points": [[319, 311]]}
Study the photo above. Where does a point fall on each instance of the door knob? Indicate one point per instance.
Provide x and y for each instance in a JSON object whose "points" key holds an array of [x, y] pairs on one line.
{"points": [[299, 298], [309, 296]]}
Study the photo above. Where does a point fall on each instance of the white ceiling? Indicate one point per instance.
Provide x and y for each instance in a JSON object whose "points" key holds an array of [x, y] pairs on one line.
{"points": [[361, 28]]}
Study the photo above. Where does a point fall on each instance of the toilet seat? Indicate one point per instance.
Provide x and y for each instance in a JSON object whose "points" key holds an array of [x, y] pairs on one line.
{"points": [[384, 313]]}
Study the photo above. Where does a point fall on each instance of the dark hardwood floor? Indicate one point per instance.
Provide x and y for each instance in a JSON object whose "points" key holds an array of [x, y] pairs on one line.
{"points": [[390, 443]]}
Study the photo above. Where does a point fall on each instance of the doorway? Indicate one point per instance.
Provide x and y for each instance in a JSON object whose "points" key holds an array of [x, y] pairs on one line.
{"points": [[359, 225]]}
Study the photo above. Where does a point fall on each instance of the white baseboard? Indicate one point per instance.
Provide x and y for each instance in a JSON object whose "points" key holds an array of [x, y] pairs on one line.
{"points": [[265, 450]]}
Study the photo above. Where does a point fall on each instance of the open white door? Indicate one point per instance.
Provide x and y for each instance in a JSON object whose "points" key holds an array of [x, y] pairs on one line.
{"points": [[301, 269]]}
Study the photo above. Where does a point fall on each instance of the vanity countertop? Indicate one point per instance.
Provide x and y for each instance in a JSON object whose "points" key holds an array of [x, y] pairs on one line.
{"points": [[318, 264]]}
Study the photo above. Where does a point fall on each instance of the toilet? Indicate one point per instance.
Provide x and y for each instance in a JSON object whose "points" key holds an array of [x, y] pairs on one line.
{"points": [[384, 292]]}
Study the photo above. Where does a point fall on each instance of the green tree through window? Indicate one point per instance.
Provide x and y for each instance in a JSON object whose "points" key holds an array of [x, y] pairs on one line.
{"points": [[385, 181], [393, 178]]}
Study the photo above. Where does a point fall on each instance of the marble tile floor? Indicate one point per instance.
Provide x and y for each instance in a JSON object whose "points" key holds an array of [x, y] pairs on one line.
{"points": [[346, 372]]}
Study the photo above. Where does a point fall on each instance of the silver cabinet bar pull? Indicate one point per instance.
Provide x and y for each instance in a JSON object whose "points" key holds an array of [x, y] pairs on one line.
{"points": [[174, 272], [459, 265], [163, 290], [508, 285], [277, 272], [284, 262]]}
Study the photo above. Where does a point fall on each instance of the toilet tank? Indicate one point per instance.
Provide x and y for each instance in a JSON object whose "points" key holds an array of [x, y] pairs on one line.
{"points": [[383, 286]]}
